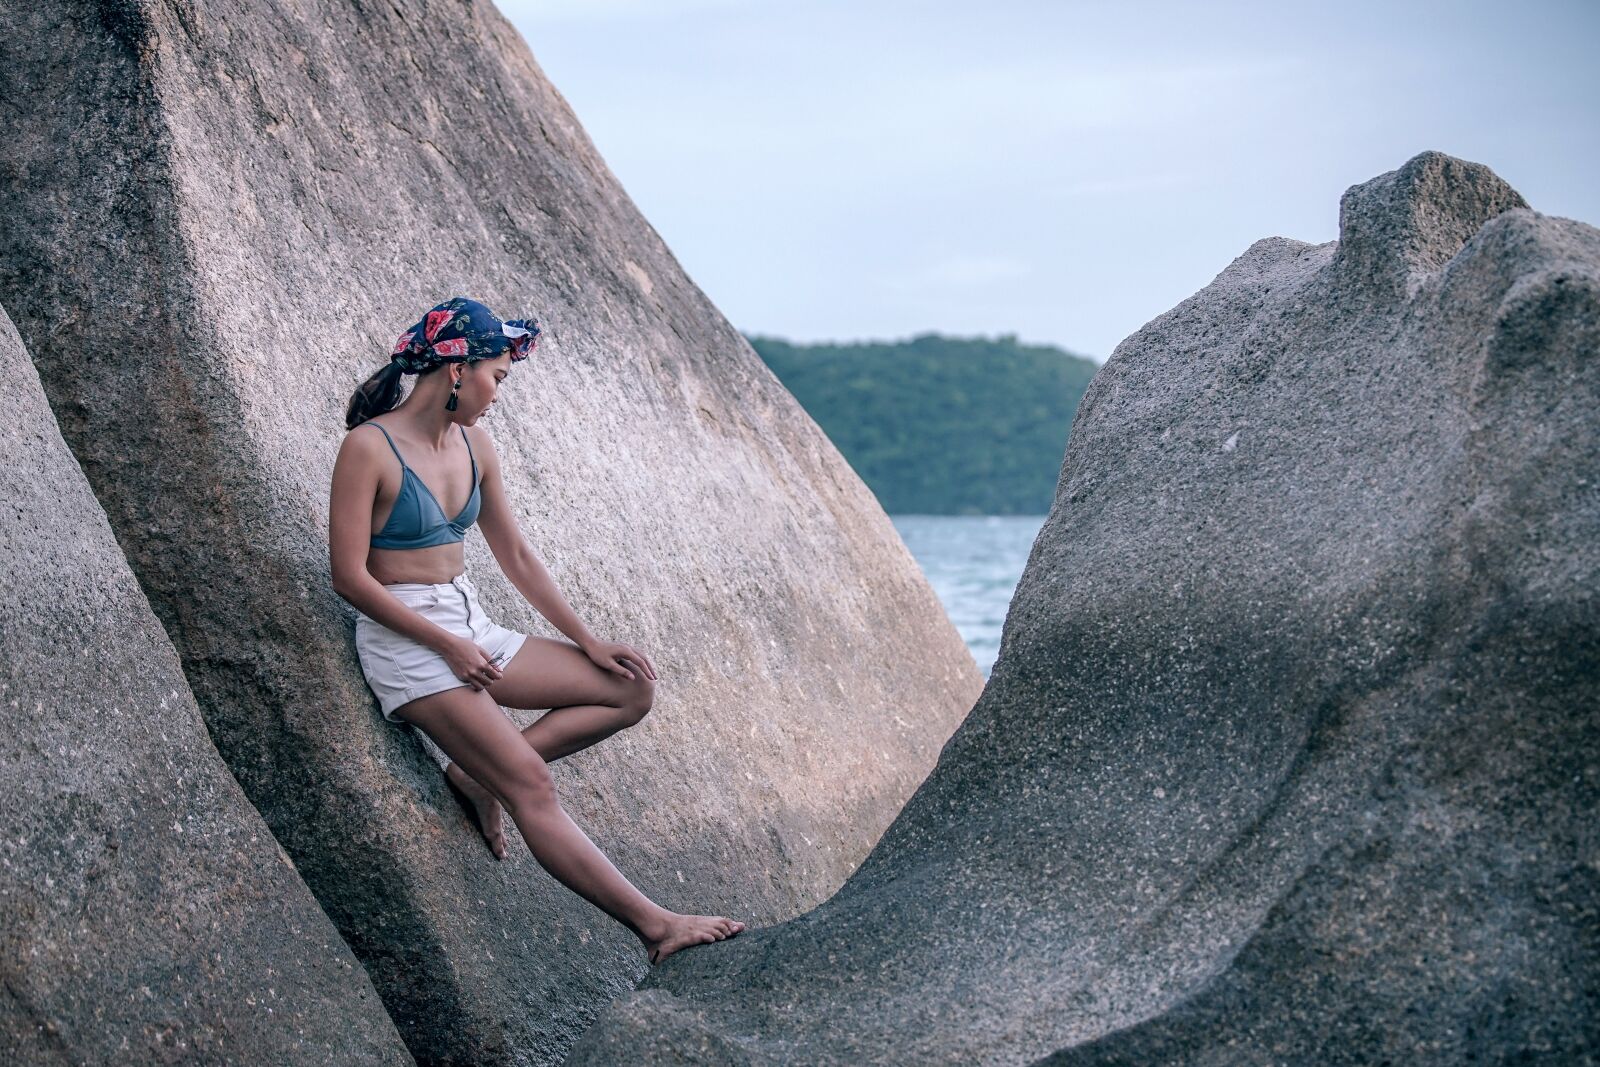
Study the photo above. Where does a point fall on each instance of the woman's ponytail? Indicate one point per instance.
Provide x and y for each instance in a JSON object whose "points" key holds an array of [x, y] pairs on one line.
{"points": [[377, 394]]}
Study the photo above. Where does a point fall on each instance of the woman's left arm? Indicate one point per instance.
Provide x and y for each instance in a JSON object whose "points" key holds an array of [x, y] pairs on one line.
{"points": [[527, 572]]}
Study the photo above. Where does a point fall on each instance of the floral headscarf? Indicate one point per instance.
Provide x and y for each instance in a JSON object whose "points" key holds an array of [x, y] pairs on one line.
{"points": [[458, 331]]}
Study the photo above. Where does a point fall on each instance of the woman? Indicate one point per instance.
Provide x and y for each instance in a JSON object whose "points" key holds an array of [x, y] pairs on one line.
{"points": [[429, 652]]}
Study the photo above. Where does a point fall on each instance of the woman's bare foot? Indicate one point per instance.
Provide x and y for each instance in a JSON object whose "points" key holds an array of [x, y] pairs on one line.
{"points": [[681, 931], [485, 808]]}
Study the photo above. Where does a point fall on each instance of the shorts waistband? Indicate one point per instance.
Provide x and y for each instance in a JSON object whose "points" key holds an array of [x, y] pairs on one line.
{"points": [[425, 594], [459, 581]]}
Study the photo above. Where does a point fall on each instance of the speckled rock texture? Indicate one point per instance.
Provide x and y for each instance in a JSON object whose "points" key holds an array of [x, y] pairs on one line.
{"points": [[146, 913], [233, 209], [1292, 749]]}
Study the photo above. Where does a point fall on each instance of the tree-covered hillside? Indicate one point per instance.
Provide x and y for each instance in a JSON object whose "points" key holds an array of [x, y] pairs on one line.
{"points": [[941, 425]]}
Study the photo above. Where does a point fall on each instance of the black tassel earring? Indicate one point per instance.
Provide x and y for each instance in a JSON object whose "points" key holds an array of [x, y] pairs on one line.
{"points": [[450, 405]]}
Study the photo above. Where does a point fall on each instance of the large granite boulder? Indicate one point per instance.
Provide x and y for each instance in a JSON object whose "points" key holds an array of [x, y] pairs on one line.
{"points": [[146, 913], [232, 210], [1292, 750]]}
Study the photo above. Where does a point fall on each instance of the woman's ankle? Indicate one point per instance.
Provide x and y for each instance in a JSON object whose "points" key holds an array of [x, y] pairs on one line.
{"points": [[657, 926]]}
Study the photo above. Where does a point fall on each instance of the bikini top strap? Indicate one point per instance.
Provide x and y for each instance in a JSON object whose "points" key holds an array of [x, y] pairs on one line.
{"points": [[470, 456], [396, 451]]}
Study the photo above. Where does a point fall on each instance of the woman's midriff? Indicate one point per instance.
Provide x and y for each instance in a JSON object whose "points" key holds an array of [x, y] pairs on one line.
{"points": [[429, 566]]}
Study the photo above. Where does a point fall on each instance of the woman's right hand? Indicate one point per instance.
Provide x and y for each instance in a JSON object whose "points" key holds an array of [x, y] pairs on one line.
{"points": [[470, 663]]}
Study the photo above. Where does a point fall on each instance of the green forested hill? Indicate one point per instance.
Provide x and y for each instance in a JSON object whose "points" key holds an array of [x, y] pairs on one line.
{"points": [[941, 425]]}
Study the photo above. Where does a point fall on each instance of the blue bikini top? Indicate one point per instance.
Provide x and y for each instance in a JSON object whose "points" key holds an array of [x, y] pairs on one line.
{"points": [[418, 520]]}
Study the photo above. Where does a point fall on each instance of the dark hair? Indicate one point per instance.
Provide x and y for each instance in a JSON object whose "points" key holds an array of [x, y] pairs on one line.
{"points": [[379, 393]]}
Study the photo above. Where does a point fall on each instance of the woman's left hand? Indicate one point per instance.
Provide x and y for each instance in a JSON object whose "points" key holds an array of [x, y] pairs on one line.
{"points": [[613, 654]]}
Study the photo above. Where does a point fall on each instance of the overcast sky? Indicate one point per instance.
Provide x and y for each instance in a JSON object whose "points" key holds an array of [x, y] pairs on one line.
{"points": [[1063, 171]]}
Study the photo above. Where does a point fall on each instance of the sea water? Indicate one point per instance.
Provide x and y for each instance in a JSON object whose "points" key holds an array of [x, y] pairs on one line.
{"points": [[973, 563]]}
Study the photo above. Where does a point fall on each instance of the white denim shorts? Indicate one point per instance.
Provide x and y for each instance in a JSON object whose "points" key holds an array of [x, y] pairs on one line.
{"points": [[400, 670]]}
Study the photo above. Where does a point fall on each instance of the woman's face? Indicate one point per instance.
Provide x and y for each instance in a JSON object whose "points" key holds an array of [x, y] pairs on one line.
{"points": [[480, 384]]}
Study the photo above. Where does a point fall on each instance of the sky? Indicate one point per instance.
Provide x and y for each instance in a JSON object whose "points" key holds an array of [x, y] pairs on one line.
{"points": [[1061, 171]]}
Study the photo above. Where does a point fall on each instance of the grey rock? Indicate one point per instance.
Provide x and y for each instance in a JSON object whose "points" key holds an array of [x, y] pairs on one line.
{"points": [[1290, 754], [146, 913], [233, 209]]}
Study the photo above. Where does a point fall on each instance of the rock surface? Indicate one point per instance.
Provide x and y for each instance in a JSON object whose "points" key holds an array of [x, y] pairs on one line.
{"points": [[233, 209], [1291, 751], [146, 913]]}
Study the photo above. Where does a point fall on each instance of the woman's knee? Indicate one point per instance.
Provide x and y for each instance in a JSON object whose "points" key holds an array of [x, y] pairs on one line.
{"points": [[638, 697], [529, 785]]}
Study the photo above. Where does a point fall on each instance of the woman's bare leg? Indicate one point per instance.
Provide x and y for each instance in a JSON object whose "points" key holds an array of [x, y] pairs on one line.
{"points": [[472, 731], [587, 703]]}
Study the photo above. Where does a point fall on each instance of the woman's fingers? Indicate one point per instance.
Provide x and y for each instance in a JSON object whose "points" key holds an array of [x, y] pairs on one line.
{"points": [[484, 674], [489, 667], [639, 657], [632, 659]]}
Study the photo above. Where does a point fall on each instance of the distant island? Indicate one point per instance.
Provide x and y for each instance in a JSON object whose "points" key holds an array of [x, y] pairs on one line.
{"points": [[941, 425]]}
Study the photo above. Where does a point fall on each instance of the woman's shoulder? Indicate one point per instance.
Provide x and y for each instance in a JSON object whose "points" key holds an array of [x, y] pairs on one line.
{"points": [[482, 442], [361, 431], [361, 442]]}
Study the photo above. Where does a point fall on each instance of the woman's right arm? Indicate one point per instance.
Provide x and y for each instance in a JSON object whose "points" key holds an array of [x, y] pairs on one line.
{"points": [[354, 489]]}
